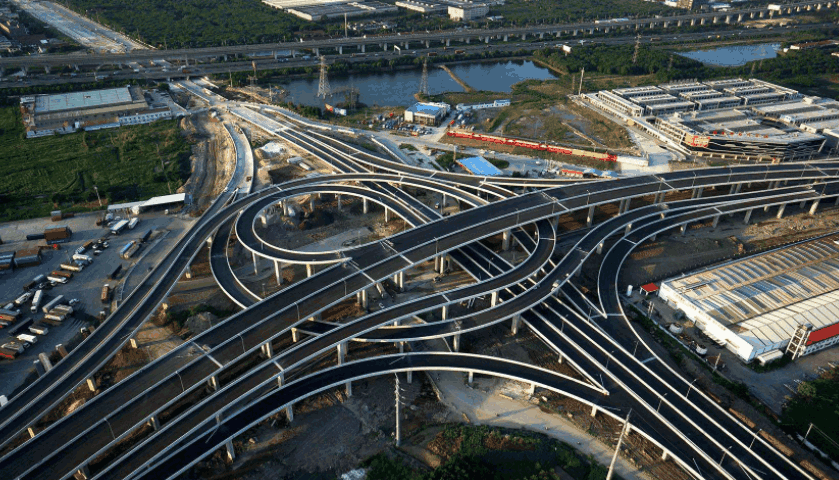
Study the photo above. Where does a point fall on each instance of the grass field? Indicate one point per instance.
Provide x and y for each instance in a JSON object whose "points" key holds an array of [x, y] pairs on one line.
{"points": [[42, 174]]}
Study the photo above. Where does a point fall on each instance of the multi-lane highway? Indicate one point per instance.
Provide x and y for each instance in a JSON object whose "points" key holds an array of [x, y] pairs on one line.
{"points": [[223, 381]]}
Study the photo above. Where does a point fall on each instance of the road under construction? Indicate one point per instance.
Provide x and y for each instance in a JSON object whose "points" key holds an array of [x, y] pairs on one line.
{"points": [[229, 378]]}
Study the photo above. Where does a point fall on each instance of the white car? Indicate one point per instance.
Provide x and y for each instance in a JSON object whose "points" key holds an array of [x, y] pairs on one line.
{"points": [[73, 302]]}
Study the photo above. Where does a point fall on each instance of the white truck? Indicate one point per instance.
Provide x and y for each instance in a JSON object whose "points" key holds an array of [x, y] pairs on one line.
{"points": [[36, 300], [133, 223], [119, 227], [25, 337]]}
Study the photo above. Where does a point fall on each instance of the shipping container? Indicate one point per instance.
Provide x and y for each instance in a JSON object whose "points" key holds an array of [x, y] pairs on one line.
{"points": [[62, 310], [106, 293], [71, 268], [8, 353], [119, 227], [35, 236], [59, 273], [23, 298], [52, 303], [57, 279], [133, 223], [39, 328], [115, 272], [55, 317], [26, 337], [58, 234], [36, 300], [27, 257]]}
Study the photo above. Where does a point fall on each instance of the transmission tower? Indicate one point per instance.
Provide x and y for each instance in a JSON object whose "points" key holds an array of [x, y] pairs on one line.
{"points": [[637, 47], [323, 86], [423, 89]]}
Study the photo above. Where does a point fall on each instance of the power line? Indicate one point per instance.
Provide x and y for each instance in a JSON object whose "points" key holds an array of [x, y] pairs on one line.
{"points": [[323, 85]]}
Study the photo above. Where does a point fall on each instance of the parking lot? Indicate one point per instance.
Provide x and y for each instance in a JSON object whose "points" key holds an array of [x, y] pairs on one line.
{"points": [[86, 286]]}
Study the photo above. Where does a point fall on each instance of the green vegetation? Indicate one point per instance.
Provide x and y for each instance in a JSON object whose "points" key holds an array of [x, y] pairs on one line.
{"points": [[43, 174], [194, 23], [535, 12], [446, 160], [817, 402], [179, 318], [485, 453], [408, 146]]}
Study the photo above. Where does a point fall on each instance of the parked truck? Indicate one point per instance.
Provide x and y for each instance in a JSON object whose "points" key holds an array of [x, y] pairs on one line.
{"points": [[133, 223], [23, 298], [9, 315], [54, 279], [106, 293], [62, 309], [57, 318], [130, 252], [79, 257], [59, 273], [36, 300], [71, 268], [52, 303], [26, 337], [145, 237], [119, 227]]}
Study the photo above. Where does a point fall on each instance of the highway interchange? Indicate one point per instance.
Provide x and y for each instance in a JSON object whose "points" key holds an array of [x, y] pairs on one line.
{"points": [[229, 378]]}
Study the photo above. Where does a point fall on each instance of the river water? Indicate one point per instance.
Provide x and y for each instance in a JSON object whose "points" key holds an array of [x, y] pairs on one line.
{"points": [[398, 88], [735, 55]]}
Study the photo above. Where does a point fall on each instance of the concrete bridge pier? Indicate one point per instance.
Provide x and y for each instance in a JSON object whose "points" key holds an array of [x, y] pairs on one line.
{"points": [[505, 239], [493, 299], [666, 24], [342, 353], [748, 216], [740, 18], [625, 232], [428, 44], [575, 31], [448, 42], [702, 21], [471, 377], [456, 343], [697, 192], [514, 328], [384, 46], [541, 35], [154, 422], [399, 281], [310, 270], [802, 204], [267, 349], [716, 222], [338, 198], [524, 36], [231, 453], [812, 210], [278, 271], [295, 336], [590, 218], [82, 473], [683, 229], [255, 263], [506, 38], [362, 48], [600, 247], [781, 211], [591, 31], [361, 297], [728, 19], [63, 351], [679, 23], [340, 50], [692, 22], [445, 312], [364, 205], [834, 204], [387, 214]]}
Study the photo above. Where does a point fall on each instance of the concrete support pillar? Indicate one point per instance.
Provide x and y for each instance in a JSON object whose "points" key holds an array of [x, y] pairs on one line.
{"points": [[443, 263], [748, 216], [716, 222], [697, 192], [213, 382], [590, 218], [532, 390], [268, 349], [664, 456], [456, 343], [399, 280], [594, 410], [83, 473], [154, 422], [311, 203], [340, 50], [493, 299], [781, 210], [683, 228], [231, 454], [514, 329], [387, 214], [91, 384], [255, 263], [45, 361], [812, 209], [471, 377], [836, 203], [505, 239], [410, 375], [31, 432], [295, 336], [310, 270], [600, 248], [445, 313], [63, 351], [278, 271], [338, 198], [362, 298], [364, 205], [626, 205], [342, 352], [627, 229], [448, 42]]}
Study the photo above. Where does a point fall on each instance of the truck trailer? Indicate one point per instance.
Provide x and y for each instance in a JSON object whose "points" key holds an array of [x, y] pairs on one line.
{"points": [[106, 293], [57, 279], [36, 300], [71, 268], [52, 303], [119, 227]]}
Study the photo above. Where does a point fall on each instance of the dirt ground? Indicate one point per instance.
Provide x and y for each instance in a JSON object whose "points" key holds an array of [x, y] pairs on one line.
{"points": [[213, 159], [672, 252]]}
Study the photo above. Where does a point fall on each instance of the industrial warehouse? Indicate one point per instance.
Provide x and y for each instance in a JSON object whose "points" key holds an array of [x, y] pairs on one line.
{"points": [[786, 300], [733, 119], [92, 110]]}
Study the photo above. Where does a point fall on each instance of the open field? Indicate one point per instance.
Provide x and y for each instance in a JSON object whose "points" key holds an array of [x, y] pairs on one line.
{"points": [[131, 163]]}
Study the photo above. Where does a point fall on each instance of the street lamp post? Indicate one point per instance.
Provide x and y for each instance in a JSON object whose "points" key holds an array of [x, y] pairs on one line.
{"points": [[659, 402], [754, 438], [96, 189], [691, 387]]}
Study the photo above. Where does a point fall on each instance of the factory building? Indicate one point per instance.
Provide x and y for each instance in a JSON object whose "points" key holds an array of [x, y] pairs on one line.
{"points": [[468, 11], [426, 113], [92, 110], [731, 119], [783, 300], [318, 12]]}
